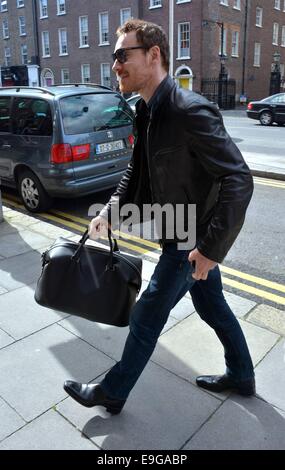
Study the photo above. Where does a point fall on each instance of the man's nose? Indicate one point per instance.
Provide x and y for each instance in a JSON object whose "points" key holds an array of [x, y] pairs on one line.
{"points": [[116, 65]]}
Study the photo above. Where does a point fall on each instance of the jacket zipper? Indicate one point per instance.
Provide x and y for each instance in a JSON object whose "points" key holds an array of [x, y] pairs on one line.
{"points": [[148, 157]]}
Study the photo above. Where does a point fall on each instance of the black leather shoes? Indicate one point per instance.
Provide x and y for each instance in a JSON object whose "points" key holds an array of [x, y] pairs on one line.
{"points": [[221, 383], [92, 395]]}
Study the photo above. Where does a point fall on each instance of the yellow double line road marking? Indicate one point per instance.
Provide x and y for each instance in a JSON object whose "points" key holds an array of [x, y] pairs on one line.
{"points": [[143, 247], [268, 182]]}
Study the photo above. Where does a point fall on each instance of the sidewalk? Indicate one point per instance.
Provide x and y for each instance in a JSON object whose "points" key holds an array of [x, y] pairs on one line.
{"points": [[40, 348]]}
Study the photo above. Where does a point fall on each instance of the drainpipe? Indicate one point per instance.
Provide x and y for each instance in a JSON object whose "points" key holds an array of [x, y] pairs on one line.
{"points": [[36, 36], [244, 48], [171, 32]]}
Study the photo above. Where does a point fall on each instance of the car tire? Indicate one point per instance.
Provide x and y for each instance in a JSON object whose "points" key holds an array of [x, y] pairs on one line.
{"points": [[32, 192], [266, 118]]}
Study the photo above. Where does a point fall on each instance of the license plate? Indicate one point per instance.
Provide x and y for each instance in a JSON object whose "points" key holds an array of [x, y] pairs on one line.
{"points": [[109, 146]]}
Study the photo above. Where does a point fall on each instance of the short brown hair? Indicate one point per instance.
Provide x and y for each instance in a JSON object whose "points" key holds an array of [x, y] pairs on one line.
{"points": [[148, 35]]}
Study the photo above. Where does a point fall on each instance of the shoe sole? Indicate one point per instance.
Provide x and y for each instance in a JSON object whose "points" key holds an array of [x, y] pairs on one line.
{"points": [[239, 391], [114, 410]]}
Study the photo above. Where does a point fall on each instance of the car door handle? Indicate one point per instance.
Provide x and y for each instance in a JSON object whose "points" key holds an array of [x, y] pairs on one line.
{"points": [[6, 146]]}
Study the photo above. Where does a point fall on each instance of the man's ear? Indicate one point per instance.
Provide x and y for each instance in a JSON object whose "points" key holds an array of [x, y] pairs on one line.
{"points": [[155, 53]]}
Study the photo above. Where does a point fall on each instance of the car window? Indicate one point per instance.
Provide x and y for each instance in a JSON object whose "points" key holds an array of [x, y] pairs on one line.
{"points": [[32, 116], [278, 99], [94, 112], [5, 118]]}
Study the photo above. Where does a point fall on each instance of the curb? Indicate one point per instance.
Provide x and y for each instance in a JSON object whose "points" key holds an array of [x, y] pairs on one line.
{"points": [[268, 174]]}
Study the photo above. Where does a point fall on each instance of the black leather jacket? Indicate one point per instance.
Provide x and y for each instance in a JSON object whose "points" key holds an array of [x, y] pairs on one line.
{"points": [[191, 160]]}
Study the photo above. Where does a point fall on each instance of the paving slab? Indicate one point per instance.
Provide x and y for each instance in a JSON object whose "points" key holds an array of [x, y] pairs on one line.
{"points": [[239, 305], [162, 412], [270, 376], [19, 243], [33, 370], [49, 230], [21, 270], [5, 339], [48, 432], [22, 316], [6, 229], [269, 317], [192, 348], [242, 424], [2, 289], [108, 339], [9, 419]]}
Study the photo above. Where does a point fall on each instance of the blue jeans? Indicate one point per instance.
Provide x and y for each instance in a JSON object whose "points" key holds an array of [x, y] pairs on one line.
{"points": [[169, 283]]}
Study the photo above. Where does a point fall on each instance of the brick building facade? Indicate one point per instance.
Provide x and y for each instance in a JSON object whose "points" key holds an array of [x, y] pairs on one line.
{"points": [[72, 41]]}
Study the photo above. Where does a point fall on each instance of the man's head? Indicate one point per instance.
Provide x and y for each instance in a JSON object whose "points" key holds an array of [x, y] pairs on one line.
{"points": [[141, 55]]}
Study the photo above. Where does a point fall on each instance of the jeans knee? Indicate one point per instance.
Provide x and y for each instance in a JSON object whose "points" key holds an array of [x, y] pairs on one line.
{"points": [[143, 333]]}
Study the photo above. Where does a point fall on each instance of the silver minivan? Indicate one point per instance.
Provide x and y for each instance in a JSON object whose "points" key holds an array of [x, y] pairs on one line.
{"points": [[63, 141]]}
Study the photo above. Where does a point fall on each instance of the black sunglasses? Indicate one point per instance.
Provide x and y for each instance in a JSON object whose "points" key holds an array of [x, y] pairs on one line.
{"points": [[121, 56]]}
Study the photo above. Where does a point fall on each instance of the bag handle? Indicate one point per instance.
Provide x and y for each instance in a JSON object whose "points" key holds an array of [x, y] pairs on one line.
{"points": [[112, 244]]}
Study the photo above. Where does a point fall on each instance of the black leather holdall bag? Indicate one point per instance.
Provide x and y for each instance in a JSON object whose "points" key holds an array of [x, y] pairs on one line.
{"points": [[95, 283]]}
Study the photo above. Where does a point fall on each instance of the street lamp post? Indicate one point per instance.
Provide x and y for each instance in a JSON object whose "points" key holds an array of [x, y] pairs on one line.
{"points": [[275, 77]]}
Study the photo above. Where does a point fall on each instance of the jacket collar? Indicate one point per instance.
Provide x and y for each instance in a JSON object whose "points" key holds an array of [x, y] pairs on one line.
{"points": [[158, 97]]}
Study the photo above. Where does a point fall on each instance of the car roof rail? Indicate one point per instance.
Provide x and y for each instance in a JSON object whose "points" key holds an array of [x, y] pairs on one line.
{"points": [[18, 88], [92, 85]]}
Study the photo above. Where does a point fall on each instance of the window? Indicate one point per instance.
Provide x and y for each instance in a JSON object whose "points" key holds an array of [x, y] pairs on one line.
{"points": [[65, 76], [85, 73], [277, 4], [62, 37], [183, 1], [83, 31], [237, 4], [155, 3], [24, 54], [61, 7], [32, 117], [104, 28], [257, 54], [105, 75], [235, 43], [275, 34], [283, 36], [22, 26], [224, 2], [20, 3], [4, 5], [5, 115], [89, 112], [5, 27], [223, 42], [43, 8], [7, 52], [183, 40], [259, 17], [45, 44], [125, 14]]}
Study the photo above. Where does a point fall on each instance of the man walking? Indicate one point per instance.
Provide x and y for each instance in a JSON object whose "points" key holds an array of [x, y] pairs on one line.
{"points": [[182, 155]]}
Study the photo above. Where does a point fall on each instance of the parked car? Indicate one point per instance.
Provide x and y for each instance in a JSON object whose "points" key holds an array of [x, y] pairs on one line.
{"points": [[63, 141], [132, 101], [268, 110]]}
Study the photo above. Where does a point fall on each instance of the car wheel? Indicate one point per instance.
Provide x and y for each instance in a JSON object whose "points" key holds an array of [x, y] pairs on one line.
{"points": [[266, 118], [34, 197]]}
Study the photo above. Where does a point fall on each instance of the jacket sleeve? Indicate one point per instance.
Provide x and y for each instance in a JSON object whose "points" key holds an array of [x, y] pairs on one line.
{"points": [[112, 209], [221, 158]]}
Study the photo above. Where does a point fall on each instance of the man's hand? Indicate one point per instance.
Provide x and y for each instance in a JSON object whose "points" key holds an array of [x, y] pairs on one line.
{"points": [[202, 265], [98, 227]]}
